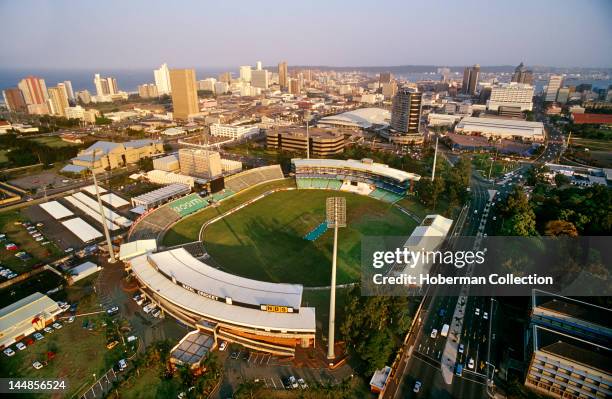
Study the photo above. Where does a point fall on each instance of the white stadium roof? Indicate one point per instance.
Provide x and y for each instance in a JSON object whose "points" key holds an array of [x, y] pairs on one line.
{"points": [[186, 269], [82, 229], [362, 117], [303, 321], [376, 168], [55, 209]]}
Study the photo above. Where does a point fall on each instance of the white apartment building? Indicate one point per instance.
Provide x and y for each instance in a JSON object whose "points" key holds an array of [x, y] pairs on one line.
{"points": [[207, 84], [260, 78], [221, 87], [229, 166], [78, 112], [245, 73], [162, 79], [511, 95], [554, 83], [233, 132]]}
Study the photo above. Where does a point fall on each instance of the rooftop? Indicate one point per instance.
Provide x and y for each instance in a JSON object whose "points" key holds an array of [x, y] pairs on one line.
{"points": [[376, 168], [361, 117]]}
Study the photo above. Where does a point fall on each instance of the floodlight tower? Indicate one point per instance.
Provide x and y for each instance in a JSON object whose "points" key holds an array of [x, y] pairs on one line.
{"points": [[336, 217], [433, 172], [101, 208], [307, 118]]}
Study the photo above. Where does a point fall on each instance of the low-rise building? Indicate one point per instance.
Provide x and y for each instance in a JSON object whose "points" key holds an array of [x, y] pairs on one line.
{"points": [[322, 142], [26, 316], [500, 128], [200, 163], [233, 132]]}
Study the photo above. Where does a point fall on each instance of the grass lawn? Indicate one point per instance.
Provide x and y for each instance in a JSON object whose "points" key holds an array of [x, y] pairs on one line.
{"points": [[265, 241], [187, 230], [148, 385], [482, 162], [53, 142], [41, 282], [79, 352], [3, 156], [19, 235]]}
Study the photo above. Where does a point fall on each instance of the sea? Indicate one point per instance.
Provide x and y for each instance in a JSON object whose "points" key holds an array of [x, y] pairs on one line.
{"points": [[129, 79]]}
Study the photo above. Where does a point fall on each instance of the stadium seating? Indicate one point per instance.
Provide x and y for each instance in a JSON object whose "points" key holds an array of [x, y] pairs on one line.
{"points": [[216, 197], [251, 177], [154, 223]]}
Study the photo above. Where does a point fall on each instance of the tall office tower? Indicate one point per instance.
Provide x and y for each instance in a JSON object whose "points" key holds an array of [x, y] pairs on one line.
{"points": [[225, 77], [200, 163], [519, 95], [84, 96], [563, 95], [406, 111], [13, 98], [34, 90], [162, 79], [207, 84], [258, 66], [389, 89], [69, 91], [105, 86], [148, 91], [259, 78], [184, 93], [283, 78], [245, 73], [58, 100], [307, 75], [385, 77], [522, 75], [470, 79], [112, 86], [554, 83], [444, 73]]}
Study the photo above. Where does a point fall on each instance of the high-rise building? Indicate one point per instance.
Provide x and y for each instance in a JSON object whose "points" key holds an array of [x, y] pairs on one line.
{"points": [[225, 77], [13, 98], [470, 79], [245, 73], [511, 95], [105, 86], [58, 100], [563, 95], [294, 86], [283, 76], [162, 79], [84, 96], [148, 90], [554, 83], [259, 78], [184, 93], [385, 77], [34, 90], [258, 66], [389, 89], [522, 75], [200, 163], [207, 84], [406, 111], [444, 74]]}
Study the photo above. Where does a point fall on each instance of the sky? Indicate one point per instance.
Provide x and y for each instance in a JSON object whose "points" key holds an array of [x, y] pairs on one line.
{"points": [[140, 34]]}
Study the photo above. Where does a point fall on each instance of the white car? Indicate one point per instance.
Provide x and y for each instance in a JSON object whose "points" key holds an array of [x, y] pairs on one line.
{"points": [[48, 330], [302, 383], [485, 316], [417, 387], [434, 333], [223, 346], [57, 326], [37, 365], [9, 352], [461, 348], [38, 336], [477, 312], [471, 364], [20, 345], [293, 382], [122, 364], [132, 338], [155, 313], [71, 319]]}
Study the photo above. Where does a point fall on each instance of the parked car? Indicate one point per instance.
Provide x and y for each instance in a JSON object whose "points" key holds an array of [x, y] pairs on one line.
{"points": [[113, 310], [223, 346], [48, 330], [156, 313], [302, 383], [471, 364], [20, 345], [71, 319], [9, 352], [293, 382], [417, 387], [37, 365], [38, 336], [434, 333], [132, 338], [461, 348], [111, 345], [122, 364], [485, 316], [57, 326]]}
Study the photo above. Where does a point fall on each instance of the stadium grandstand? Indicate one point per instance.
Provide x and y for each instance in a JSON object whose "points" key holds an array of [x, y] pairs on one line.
{"points": [[259, 315], [363, 177], [251, 177]]}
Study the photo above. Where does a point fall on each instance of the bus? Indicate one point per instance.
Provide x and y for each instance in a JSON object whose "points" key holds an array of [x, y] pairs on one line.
{"points": [[444, 331]]}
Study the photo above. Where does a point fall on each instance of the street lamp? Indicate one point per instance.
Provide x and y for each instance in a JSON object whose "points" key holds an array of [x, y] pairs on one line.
{"points": [[336, 217]]}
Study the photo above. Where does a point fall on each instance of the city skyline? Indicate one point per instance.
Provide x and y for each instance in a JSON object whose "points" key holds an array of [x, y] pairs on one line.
{"points": [[204, 41]]}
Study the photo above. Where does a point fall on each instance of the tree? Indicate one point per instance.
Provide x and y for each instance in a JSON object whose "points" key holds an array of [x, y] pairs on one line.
{"points": [[561, 180], [520, 217], [560, 228]]}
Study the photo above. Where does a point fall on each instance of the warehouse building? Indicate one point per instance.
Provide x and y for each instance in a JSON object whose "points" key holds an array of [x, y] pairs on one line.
{"points": [[26, 316], [501, 128], [169, 163], [323, 142]]}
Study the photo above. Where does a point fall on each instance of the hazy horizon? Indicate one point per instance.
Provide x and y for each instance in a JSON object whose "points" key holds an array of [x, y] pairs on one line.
{"points": [[143, 34]]}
